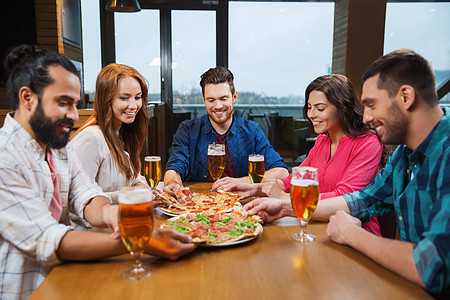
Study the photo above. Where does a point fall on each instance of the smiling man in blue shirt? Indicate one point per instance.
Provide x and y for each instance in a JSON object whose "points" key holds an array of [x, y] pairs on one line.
{"points": [[188, 155], [399, 95]]}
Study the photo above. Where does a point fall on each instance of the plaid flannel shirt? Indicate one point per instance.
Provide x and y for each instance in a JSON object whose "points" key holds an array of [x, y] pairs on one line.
{"points": [[416, 184], [29, 235]]}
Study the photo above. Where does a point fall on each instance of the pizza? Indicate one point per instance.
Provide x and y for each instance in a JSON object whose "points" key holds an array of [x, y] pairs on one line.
{"points": [[218, 228], [186, 201]]}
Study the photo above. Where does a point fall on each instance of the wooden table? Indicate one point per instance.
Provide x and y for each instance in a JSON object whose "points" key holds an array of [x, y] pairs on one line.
{"points": [[271, 267]]}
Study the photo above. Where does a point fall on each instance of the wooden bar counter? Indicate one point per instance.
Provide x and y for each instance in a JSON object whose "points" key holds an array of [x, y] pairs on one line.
{"points": [[270, 267]]}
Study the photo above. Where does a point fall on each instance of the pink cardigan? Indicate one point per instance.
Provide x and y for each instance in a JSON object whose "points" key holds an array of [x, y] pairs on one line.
{"points": [[353, 166]]}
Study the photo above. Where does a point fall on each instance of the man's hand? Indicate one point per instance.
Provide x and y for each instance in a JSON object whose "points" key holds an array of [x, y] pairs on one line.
{"points": [[270, 209], [169, 244], [172, 182], [172, 187], [110, 213], [236, 185], [341, 227]]}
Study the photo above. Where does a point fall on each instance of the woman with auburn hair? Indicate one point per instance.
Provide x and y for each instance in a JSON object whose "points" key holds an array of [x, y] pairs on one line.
{"points": [[110, 142], [347, 152]]}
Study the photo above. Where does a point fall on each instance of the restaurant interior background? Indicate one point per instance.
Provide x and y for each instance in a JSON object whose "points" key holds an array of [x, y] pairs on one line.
{"points": [[274, 49]]}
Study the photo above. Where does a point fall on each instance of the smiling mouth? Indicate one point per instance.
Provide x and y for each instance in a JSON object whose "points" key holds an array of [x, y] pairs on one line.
{"points": [[130, 114], [65, 128], [219, 112], [377, 126]]}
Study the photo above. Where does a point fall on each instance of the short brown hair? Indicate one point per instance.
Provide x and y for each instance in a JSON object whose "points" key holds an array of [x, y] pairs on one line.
{"points": [[404, 66], [215, 76]]}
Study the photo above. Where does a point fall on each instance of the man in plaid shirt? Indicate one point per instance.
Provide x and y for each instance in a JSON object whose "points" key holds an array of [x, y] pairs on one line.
{"points": [[35, 231], [400, 100]]}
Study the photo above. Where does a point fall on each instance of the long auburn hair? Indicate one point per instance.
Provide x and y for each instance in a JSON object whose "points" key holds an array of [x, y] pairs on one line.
{"points": [[340, 92], [131, 137]]}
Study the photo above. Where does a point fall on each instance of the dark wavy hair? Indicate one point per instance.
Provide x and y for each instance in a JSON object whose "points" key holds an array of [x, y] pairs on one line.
{"points": [[340, 92], [27, 65], [215, 76]]}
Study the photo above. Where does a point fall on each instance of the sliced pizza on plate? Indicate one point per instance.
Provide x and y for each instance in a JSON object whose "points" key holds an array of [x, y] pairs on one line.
{"points": [[218, 229], [186, 201]]}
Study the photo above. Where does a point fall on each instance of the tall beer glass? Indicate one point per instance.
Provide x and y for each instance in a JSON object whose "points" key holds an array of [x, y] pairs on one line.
{"points": [[153, 171], [256, 167], [304, 198], [136, 225], [216, 160]]}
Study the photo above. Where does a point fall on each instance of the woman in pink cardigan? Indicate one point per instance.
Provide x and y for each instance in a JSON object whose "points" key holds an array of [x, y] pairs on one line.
{"points": [[347, 152]]}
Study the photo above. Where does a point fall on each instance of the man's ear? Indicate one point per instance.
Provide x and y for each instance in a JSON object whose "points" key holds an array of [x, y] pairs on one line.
{"points": [[407, 96], [235, 95], [27, 98]]}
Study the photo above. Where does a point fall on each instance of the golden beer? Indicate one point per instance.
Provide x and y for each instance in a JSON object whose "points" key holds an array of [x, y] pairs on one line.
{"points": [[216, 160], [153, 172], [256, 168], [304, 198], [136, 226]]}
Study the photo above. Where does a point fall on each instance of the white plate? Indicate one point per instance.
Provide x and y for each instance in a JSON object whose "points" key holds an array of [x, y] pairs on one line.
{"points": [[169, 214], [226, 244]]}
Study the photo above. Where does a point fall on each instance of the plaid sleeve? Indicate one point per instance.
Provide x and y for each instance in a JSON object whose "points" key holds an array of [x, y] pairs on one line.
{"points": [[25, 220], [374, 200], [432, 253]]}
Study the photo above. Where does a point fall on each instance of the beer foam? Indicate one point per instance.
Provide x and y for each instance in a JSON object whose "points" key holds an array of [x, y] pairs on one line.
{"points": [[303, 182], [216, 151], [135, 195], [256, 158], [153, 158]]}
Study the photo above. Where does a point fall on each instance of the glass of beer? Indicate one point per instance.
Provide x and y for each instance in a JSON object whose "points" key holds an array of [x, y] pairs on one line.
{"points": [[216, 160], [256, 167], [304, 198], [136, 226], [153, 171]]}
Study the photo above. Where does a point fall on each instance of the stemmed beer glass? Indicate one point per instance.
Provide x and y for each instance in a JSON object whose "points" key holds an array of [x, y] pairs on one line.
{"points": [[136, 225], [256, 167], [153, 171], [216, 160], [304, 198]]}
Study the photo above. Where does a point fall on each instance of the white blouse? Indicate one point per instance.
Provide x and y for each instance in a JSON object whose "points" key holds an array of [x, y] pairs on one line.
{"points": [[95, 156]]}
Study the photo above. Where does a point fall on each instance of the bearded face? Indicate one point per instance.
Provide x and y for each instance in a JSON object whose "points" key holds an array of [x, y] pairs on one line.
{"points": [[49, 132]]}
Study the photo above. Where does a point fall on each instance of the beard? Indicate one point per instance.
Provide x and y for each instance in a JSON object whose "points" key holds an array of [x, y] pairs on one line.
{"points": [[228, 114], [396, 129], [47, 132]]}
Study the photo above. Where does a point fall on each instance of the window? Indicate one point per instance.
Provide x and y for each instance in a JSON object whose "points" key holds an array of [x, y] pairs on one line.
{"points": [[424, 28], [193, 52], [138, 46], [92, 59], [275, 50]]}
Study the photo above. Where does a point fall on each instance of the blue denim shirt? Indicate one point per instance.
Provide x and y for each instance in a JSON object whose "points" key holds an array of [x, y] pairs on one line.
{"points": [[188, 155]]}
